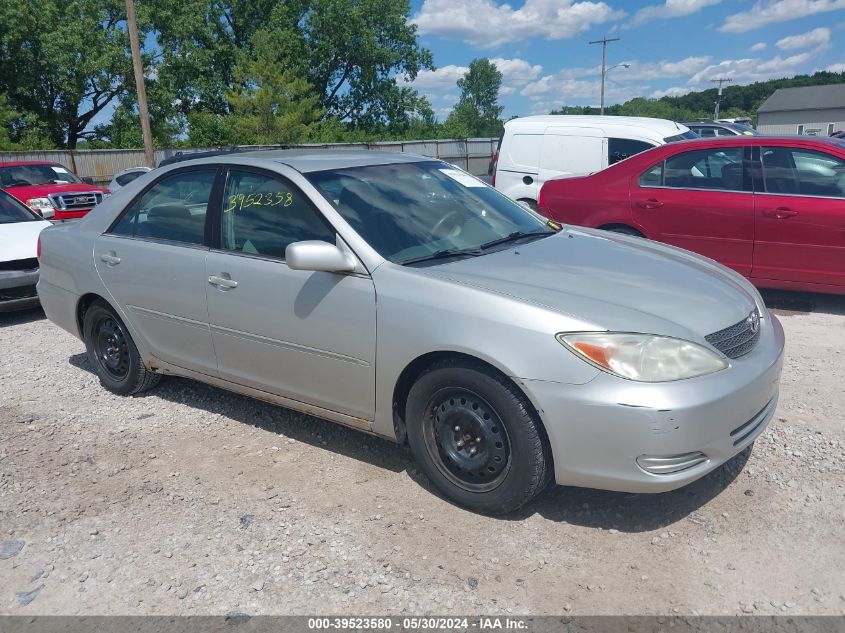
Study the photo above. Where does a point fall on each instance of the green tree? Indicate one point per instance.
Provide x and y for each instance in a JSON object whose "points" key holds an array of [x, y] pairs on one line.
{"points": [[478, 112], [64, 61], [269, 103]]}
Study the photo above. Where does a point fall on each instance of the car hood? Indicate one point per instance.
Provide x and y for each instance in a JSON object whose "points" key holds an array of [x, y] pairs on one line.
{"points": [[19, 240], [42, 191], [613, 282]]}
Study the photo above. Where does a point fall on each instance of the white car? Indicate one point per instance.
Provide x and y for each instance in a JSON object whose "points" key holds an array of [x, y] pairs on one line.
{"points": [[19, 231], [123, 178], [535, 149]]}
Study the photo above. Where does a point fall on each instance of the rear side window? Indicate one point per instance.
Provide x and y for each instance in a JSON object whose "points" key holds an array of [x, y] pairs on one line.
{"points": [[173, 209], [262, 214], [653, 177], [621, 148], [716, 169], [125, 179]]}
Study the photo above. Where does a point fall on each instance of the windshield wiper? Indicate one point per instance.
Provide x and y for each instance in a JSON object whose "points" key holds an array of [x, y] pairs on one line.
{"points": [[516, 235], [442, 254]]}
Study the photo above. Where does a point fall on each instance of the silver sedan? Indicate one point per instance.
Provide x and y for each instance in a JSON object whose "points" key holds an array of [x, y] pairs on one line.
{"points": [[403, 297]]}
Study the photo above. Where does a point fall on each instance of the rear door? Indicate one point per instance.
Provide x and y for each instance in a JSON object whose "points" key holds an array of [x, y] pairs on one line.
{"points": [[152, 262], [800, 216], [700, 200], [570, 151]]}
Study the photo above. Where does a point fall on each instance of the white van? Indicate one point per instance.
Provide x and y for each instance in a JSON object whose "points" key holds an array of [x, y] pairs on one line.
{"points": [[535, 149]]}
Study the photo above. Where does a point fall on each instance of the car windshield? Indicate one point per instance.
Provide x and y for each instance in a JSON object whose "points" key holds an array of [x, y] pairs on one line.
{"points": [[426, 211], [12, 211], [689, 134], [26, 175], [742, 128]]}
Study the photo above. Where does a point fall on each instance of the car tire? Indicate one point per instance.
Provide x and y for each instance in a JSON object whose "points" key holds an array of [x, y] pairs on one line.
{"points": [[113, 354], [625, 230], [477, 438]]}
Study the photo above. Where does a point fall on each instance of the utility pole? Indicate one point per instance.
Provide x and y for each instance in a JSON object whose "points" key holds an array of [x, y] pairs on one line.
{"points": [[720, 81], [603, 41], [140, 89]]}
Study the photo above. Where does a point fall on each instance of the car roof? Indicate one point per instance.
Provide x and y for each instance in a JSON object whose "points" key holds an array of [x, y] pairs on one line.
{"points": [[761, 140], [665, 127], [311, 160], [17, 163]]}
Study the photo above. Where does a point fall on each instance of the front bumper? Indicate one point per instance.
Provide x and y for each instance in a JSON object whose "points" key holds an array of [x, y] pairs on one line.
{"points": [[17, 289], [618, 434]]}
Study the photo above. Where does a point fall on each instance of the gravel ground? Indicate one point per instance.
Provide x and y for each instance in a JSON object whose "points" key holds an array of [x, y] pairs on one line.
{"points": [[192, 500]]}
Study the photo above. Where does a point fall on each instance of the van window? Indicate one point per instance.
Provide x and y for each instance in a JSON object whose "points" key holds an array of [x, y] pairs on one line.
{"points": [[524, 150], [621, 148]]}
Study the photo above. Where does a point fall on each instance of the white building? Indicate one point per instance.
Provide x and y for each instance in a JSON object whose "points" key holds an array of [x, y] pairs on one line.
{"points": [[809, 110]]}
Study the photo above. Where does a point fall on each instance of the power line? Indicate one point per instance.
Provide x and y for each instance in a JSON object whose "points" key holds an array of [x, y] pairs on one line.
{"points": [[604, 42], [720, 81]]}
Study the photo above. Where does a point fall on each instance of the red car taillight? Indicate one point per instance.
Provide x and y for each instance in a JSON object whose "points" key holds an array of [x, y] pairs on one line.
{"points": [[541, 200]]}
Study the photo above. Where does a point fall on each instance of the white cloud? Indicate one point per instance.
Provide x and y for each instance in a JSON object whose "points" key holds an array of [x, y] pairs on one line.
{"points": [[670, 9], [836, 68], [770, 11], [816, 37], [434, 84], [677, 91], [487, 24], [759, 46], [752, 69]]}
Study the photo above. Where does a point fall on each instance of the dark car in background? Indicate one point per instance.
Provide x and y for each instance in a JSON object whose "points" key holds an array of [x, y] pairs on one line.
{"points": [[710, 129]]}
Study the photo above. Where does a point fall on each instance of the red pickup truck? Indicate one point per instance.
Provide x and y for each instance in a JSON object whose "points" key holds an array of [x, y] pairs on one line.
{"points": [[50, 189]]}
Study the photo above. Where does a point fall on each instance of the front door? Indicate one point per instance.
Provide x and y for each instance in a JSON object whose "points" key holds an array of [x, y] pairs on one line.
{"points": [[308, 336], [699, 200], [152, 262], [800, 216]]}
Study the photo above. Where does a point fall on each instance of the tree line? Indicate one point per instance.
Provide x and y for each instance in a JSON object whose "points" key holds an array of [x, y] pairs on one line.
{"points": [[736, 100], [224, 72]]}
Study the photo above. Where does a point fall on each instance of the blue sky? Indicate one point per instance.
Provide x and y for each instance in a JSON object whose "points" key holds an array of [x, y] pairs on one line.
{"points": [[672, 46]]}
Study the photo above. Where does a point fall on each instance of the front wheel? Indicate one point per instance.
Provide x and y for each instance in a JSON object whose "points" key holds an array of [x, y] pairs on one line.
{"points": [[113, 354], [477, 438]]}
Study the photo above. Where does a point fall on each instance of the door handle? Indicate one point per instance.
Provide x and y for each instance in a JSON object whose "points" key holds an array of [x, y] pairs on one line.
{"points": [[651, 203], [223, 283], [110, 259], [781, 213]]}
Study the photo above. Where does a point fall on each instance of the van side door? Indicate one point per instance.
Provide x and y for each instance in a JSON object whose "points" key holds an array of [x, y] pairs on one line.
{"points": [[571, 151]]}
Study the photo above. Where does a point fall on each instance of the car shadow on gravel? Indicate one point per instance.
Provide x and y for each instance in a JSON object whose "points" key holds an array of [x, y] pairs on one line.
{"points": [[789, 303], [628, 512], [578, 506], [275, 419], [20, 317]]}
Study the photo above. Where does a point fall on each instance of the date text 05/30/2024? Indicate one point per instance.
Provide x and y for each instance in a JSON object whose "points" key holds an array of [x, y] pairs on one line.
{"points": [[431, 623]]}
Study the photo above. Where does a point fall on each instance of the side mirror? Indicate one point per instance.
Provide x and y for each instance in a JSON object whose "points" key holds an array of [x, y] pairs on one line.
{"points": [[317, 255], [88, 180]]}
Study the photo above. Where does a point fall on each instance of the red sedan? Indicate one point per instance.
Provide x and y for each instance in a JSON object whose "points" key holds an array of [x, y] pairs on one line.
{"points": [[773, 209]]}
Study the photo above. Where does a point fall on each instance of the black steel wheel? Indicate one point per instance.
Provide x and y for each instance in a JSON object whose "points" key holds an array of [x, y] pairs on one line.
{"points": [[476, 436], [469, 441], [111, 347], [112, 352]]}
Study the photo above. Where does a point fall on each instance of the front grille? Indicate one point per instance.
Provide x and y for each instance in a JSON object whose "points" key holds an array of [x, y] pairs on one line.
{"points": [[738, 339], [20, 264], [76, 201], [21, 292]]}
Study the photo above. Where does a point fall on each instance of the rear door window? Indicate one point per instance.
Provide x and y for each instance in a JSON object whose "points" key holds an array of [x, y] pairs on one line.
{"points": [[173, 209], [621, 148], [717, 169]]}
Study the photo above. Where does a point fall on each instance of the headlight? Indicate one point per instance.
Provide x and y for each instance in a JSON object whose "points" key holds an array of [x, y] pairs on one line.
{"points": [[644, 357], [43, 206]]}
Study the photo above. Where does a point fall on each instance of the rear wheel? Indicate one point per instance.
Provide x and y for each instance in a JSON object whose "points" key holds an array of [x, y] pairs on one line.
{"points": [[477, 438], [113, 354]]}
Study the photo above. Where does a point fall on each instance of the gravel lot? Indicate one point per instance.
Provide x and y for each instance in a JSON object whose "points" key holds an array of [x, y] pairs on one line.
{"points": [[192, 500]]}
